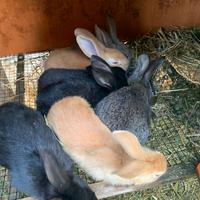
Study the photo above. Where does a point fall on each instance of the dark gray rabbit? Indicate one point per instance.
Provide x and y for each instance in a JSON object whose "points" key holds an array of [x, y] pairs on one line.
{"points": [[129, 108], [37, 164], [93, 84]]}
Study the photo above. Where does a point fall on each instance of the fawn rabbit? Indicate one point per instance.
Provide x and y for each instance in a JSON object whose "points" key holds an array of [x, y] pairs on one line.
{"points": [[78, 57], [37, 164], [115, 157]]}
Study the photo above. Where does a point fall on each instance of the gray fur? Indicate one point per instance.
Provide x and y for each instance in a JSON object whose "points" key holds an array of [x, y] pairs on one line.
{"points": [[129, 108]]}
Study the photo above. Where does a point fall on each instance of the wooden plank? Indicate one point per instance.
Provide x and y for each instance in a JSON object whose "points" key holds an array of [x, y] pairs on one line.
{"points": [[54, 21], [173, 174]]}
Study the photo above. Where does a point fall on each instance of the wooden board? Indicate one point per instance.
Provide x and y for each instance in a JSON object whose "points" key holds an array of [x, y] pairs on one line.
{"points": [[173, 174], [36, 25]]}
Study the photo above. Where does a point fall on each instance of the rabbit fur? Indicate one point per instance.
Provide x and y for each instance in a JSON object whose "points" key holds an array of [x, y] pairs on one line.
{"points": [[37, 164], [114, 157], [129, 108], [93, 84], [79, 58]]}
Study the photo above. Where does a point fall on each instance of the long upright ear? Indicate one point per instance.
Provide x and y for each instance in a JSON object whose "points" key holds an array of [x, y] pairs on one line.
{"points": [[56, 175], [88, 43], [103, 37], [136, 168], [112, 29], [153, 66], [102, 73], [130, 144], [139, 68], [116, 42]]}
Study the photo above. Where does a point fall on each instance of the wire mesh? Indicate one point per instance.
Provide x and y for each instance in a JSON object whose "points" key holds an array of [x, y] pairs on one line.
{"points": [[171, 133], [6, 191], [18, 77]]}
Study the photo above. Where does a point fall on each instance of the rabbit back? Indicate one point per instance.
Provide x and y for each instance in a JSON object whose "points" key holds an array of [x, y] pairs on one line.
{"points": [[126, 109], [92, 84], [34, 157], [55, 84], [115, 157]]}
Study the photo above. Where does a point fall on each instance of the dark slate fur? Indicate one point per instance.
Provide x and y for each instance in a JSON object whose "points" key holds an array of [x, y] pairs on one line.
{"points": [[55, 84], [129, 108], [23, 134]]}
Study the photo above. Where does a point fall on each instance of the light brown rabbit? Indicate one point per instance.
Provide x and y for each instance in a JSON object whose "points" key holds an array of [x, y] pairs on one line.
{"points": [[115, 157], [69, 58], [74, 58], [105, 45]]}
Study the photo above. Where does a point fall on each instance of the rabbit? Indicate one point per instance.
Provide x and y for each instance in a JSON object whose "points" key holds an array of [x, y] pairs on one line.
{"points": [[79, 58], [129, 108], [37, 164], [94, 83], [111, 40], [114, 157]]}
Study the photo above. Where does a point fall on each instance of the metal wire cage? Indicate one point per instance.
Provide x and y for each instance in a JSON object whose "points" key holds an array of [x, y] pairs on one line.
{"points": [[173, 131]]}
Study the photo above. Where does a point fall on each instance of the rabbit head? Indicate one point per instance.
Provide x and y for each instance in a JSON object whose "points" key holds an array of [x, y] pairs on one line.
{"points": [[90, 45], [108, 77], [111, 40], [117, 158]]}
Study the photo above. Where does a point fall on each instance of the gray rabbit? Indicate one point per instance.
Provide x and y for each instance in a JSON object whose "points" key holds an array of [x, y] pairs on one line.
{"points": [[129, 108]]}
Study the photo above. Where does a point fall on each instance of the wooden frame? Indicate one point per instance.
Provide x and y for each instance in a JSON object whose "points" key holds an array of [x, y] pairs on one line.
{"points": [[27, 26], [173, 174]]}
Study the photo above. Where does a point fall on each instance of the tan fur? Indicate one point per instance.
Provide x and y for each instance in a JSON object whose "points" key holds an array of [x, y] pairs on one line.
{"points": [[73, 58], [117, 158], [70, 58]]}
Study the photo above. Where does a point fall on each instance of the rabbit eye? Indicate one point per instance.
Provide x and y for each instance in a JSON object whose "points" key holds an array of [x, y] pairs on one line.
{"points": [[115, 62]]}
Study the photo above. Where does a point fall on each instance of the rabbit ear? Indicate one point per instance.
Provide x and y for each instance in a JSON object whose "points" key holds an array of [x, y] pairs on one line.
{"points": [[146, 165], [116, 42], [56, 175], [130, 144], [143, 62], [144, 171], [102, 73], [139, 68], [88, 43], [153, 66], [112, 29], [136, 168], [103, 37]]}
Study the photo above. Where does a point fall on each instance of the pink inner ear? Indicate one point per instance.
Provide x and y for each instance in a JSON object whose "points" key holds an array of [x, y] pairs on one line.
{"points": [[87, 46]]}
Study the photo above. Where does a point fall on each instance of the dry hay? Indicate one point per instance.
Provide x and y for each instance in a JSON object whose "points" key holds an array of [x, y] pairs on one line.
{"points": [[184, 131], [181, 48]]}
